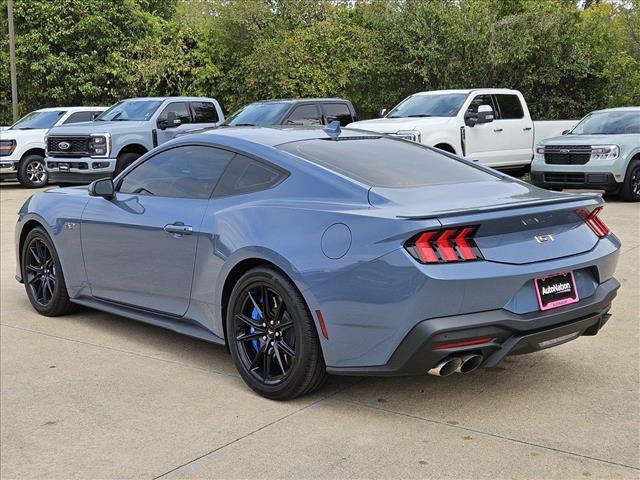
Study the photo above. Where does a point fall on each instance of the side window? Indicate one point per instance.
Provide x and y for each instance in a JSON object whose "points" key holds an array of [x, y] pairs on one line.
{"points": [[78, 117], [183, 172], [181, 111], [204, 112], [337, 111], [510, 106], [246, 175], [305, 115], [481, 100]]}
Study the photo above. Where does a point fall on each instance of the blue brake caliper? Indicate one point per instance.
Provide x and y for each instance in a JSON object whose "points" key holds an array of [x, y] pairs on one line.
{"points": [[254, 316]]}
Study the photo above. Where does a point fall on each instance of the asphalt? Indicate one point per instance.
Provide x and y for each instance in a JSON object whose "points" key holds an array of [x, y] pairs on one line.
{"points": [[93, 395]]}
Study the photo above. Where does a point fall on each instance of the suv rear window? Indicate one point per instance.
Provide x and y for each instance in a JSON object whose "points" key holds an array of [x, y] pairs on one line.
{"points": [[386, 162]]}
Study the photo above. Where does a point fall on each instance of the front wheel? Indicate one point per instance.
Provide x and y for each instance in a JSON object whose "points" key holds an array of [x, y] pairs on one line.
{"points": [[32, 172], [272, 336], [124, 160], [42, 275], [630, 191]]}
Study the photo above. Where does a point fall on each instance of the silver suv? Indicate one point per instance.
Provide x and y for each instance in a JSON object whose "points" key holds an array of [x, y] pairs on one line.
{"points": [[119, 136]]}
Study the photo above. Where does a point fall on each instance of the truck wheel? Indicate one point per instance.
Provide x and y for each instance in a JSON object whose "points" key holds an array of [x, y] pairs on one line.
{"points": [[31, 172], [630, 191], [124, 160]]}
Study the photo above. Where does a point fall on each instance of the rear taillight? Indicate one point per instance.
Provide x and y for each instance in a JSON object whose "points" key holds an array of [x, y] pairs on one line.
{"points": [[592, 219], [445, 246]]}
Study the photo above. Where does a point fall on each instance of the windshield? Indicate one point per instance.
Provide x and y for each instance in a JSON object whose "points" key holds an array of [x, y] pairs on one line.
{"points": [[130, 110], [38, 120], [258, 114], [436, 105], [608, 123]]}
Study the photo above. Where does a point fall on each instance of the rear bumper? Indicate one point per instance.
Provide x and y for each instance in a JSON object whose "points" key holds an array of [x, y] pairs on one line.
{"points": [[604, 181], [512, 334]]}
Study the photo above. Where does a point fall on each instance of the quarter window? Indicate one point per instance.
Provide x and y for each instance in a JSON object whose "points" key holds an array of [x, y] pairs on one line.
{"points": [[305, 115], [246, 175], [181, 111], [204, 112], [181, 172], [510, 107], [337, 111]]}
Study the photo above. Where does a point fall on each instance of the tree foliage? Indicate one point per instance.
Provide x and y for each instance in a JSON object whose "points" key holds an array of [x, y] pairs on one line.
{"points": [[567, 57]]}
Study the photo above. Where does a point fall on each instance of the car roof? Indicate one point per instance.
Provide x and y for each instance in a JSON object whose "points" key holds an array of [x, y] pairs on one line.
{"points": [[162, 99], [468, 91], [269, 136], [71, 109], [619, 109], [301, 100]]}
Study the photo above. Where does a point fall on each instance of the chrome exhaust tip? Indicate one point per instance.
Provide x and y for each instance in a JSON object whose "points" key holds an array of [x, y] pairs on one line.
{"points": [[446, 367], [469, 363]]}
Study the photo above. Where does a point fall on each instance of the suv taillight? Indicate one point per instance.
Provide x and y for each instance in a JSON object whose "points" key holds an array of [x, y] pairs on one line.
{"points": [[592, 219], [445, 246]]}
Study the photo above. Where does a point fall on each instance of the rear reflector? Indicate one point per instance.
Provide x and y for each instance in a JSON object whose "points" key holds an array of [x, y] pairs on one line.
{"points": [[444, 246], [323, 327], [465, 343], [592, 219]]}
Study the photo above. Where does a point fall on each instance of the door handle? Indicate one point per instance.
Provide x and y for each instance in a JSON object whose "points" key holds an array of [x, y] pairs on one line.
{"points": [[497, 130], [526, 129], [178, 228]]}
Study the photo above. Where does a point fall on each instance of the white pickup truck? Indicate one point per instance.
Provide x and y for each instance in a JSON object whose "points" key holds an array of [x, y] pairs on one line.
{"points": [[491, 125]]}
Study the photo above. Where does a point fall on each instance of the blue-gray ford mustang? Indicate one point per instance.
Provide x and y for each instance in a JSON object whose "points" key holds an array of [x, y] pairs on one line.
{"points": [[310, 251]]}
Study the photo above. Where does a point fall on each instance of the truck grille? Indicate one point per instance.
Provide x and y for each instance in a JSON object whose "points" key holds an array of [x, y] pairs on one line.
{"points": [[559, 177], [78, 146], [567, 155]]}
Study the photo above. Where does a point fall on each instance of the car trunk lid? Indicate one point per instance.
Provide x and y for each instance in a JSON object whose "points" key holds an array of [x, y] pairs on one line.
{"points": [[516, 223]]}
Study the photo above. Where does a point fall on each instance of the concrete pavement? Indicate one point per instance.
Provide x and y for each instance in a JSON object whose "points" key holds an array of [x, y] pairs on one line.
{"points": [[93, 395]]}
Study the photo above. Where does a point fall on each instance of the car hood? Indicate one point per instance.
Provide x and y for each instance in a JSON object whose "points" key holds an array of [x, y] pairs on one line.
{"points": [[393, 125], [18, 135], [87, 128], [590, 139]]}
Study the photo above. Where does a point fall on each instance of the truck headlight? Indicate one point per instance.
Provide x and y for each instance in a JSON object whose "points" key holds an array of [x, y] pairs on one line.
{"points": [[7, 147], [604, 152], [413, 135], [98, 146], [539, 153]]}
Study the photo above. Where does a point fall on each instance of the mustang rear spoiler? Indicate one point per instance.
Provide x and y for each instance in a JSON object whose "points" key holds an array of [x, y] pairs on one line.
{"points": [[581, 198]]}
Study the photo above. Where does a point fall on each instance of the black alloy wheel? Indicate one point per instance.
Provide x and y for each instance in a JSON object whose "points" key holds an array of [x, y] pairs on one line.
{"points": [[42, 275], [265, 334], [630, 190], [40, 272], [272, 337]]}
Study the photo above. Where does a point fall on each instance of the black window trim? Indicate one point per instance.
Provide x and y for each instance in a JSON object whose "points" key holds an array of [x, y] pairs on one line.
{"points": [[284, 173]]}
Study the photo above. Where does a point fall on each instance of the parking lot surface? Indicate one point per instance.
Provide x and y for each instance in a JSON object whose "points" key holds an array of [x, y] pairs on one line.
{"points": [[93, 395]]}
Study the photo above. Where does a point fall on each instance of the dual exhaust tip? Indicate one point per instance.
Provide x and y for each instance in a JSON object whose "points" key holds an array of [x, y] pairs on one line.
{"points": [[458, 364]]}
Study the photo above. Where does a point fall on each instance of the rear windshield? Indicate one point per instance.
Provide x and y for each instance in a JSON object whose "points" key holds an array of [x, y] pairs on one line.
{"points": [[386, 162]]}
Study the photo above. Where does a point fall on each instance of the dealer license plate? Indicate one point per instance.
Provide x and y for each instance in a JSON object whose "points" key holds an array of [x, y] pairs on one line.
{"points": [[556, 290]]}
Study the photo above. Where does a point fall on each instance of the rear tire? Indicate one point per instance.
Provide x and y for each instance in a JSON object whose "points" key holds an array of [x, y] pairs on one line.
{"points": [[42, 275], [32, 172], [630, 191], [124, 160], [273, 343]]}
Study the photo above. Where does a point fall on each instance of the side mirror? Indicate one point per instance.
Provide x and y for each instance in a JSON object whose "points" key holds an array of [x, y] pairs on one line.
{"points": [[382, 112], [171, 121], [485, 114], [102, 188], [565, 132]]}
